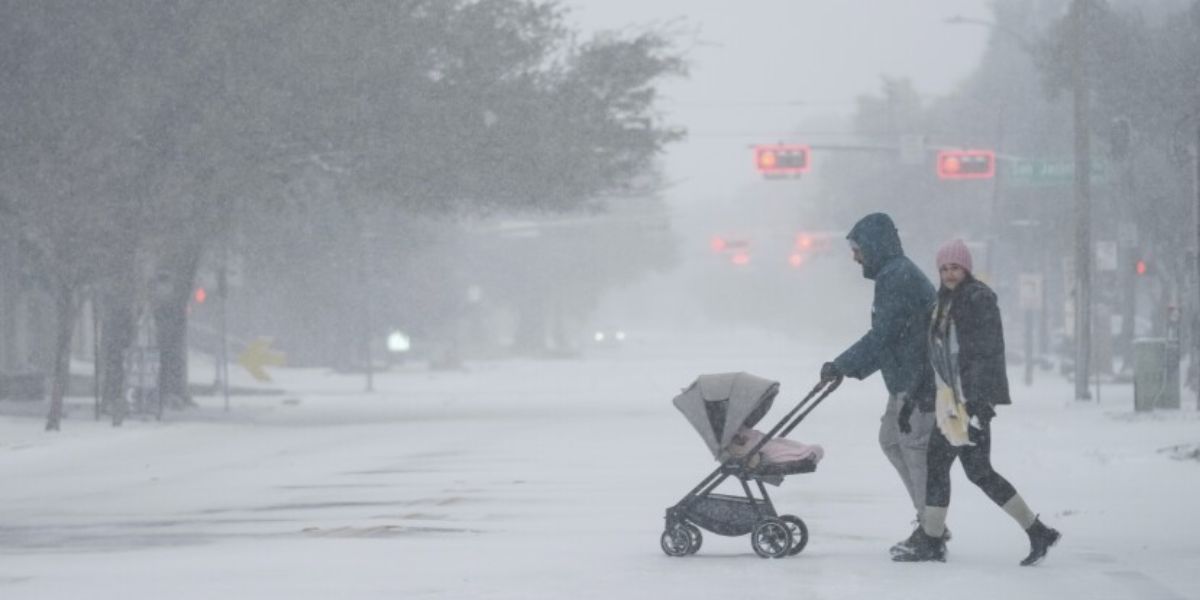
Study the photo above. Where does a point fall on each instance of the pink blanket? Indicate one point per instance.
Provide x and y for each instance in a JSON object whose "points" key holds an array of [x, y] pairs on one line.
{"points": [[778, 450]]}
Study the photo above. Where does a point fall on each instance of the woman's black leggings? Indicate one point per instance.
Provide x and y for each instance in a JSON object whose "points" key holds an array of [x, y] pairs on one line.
{"points": [[976, 461]]}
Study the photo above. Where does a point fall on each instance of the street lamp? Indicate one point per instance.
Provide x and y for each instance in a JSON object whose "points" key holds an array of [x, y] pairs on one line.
{"points": [[1082, 203], [1082, 181]]}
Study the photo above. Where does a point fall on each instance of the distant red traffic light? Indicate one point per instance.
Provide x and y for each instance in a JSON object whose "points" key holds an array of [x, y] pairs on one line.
{"points": [[200, 296], [966, 164], [1141, 267], [781, 159]]}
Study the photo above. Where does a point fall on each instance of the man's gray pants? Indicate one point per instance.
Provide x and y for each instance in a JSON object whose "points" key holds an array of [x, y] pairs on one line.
{"points": [[907, 451]]}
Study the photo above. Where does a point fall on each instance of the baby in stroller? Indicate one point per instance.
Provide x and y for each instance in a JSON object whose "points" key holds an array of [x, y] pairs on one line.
{"points": [[776, 454], [724, 408]]}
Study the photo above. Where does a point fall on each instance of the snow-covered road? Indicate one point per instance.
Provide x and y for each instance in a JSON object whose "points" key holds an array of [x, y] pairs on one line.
{"points": [[548, 479]]}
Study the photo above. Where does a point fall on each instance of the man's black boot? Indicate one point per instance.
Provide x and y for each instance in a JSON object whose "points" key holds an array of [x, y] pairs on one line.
{"points": [[905, 546], [926, 548]]}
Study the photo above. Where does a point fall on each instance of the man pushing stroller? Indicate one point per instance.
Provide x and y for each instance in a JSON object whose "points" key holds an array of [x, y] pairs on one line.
{"points": [[897, 345]]}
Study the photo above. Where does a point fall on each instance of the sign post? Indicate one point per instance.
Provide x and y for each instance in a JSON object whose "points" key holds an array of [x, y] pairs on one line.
{"points": [[1030, 295]]}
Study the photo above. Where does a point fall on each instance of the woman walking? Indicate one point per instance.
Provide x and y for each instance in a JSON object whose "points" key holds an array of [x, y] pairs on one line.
{"points": [[967, 350]]}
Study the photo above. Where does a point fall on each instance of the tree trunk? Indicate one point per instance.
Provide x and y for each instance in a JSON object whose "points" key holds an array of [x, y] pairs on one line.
{"points": [[171, 321], [117, 314], [173, 292], [117, 333], [64, 321]]}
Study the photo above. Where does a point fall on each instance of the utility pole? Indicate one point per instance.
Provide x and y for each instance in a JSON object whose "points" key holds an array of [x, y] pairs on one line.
{"points": [[368, 324], [1082, 202], [1195, 316]]}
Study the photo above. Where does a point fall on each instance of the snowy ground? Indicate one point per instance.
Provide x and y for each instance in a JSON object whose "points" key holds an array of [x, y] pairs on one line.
{"points": [[548, 479]]}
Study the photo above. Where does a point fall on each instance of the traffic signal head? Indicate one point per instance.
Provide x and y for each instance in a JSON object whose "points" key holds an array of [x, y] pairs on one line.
{"points": [[1141, 267], [200, 295], [781, 159], [966, 164]]}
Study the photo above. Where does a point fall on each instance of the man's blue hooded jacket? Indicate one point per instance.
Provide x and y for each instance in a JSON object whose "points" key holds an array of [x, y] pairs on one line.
{"points": [[897, 342]]}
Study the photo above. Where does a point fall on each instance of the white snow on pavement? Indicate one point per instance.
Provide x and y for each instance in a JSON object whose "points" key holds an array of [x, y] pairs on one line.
{"points": [[548, 479]]}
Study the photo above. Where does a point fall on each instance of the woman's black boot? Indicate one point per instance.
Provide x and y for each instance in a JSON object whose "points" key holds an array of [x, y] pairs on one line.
{"points": [[1040, 540]]}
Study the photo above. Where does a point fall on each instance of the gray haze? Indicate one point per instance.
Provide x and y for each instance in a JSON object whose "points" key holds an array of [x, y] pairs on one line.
{"points": [[510, 178]]}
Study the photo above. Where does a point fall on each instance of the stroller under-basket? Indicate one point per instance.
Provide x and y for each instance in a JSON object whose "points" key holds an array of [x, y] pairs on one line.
{"points": [[718, 406]]}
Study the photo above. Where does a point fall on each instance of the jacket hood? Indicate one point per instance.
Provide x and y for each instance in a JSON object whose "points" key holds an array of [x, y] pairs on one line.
{"points": [[878, 241]]}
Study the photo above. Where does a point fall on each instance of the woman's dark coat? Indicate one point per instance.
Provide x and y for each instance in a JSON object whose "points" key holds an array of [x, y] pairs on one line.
{"points": [[981, 367]]}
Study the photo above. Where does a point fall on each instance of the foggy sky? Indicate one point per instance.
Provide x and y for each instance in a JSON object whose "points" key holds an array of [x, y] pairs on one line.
{"points": [[760, 68]]}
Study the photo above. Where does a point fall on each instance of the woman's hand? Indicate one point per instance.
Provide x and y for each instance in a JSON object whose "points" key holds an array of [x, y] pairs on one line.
{"points": [[980, 410]]}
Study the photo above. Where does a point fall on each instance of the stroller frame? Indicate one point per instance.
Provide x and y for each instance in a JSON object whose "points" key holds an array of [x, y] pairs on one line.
{"points": [[772, 535]]}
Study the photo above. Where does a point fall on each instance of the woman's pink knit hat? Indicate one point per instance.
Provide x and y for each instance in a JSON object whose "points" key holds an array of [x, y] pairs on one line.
{"points": [[954, 252]]}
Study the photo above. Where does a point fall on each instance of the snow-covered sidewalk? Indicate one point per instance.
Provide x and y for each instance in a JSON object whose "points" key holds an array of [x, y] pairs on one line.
{"points": [[548, 479]]}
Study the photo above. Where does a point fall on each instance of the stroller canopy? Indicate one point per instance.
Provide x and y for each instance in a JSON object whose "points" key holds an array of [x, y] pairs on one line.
{"points": [[718, 405]]}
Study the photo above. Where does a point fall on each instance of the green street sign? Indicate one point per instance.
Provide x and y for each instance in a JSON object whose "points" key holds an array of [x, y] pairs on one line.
{"points": [[1034, 172]]}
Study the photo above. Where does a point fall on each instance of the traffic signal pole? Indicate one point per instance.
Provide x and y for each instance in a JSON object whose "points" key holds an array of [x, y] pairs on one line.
{"points": [[1082, 204], [223, 292], [1121, 138]]}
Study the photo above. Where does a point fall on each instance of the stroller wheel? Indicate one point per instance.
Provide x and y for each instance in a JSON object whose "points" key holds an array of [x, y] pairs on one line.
{"points": [[799, 533], [677, 541], [697, 538], [771, 538]]}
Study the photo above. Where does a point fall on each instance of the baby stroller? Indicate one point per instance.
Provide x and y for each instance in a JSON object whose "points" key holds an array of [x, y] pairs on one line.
{"points": [[718, 406]]}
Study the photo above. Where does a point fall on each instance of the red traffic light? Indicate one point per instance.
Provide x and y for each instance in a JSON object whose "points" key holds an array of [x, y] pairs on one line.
{"points": [[200, 296], [813, 242], [966, 164], [781, 159], [737, 251], [1141, 267]]}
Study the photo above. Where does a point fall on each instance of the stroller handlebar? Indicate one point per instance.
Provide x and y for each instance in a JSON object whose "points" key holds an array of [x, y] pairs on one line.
{"points": [[824, 388]]}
